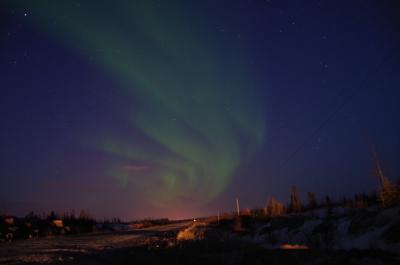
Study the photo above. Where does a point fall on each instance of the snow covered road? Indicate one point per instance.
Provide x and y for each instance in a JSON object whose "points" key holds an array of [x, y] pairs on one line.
{"points": [[45, 250]]}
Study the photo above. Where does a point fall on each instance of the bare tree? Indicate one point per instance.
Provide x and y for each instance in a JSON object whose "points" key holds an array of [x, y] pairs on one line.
{"points": [[295, 204], [274, 208], [388, 192], [312, 200]]}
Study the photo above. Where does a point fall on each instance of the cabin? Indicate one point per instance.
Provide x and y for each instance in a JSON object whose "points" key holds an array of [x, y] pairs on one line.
{"points": [[57, 223], [9, 220], [137, 226]]}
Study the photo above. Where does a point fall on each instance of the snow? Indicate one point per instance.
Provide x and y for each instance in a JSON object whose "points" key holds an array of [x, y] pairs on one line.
{"points": [[369, 236]]}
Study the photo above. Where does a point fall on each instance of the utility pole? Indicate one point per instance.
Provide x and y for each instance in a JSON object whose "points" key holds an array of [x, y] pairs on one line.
{"points": [[237, 207], [218, 217]]}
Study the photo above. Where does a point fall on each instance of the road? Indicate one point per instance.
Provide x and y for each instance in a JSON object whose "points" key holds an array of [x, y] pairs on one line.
{"points": [[45, 250]]}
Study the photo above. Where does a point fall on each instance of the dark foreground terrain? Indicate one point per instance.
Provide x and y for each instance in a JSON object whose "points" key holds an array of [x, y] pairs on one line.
{"points": [[159, 245], [202, 253]]}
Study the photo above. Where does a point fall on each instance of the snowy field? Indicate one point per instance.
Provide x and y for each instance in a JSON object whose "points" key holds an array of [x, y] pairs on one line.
{"points": [[66, 248]]}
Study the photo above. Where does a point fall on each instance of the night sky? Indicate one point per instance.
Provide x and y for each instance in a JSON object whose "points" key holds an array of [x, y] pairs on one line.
{"points": [[176, 108]]}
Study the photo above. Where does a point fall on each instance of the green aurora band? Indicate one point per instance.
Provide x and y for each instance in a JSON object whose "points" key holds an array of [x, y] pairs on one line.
{"points": [[192, 98]]}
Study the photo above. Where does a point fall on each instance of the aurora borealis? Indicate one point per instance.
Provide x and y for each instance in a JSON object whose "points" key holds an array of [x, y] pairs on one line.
{"points": [[195, 129], [191, 104]]}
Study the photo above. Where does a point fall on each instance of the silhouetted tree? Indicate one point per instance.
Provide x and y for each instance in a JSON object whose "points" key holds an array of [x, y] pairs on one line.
{"points": [[312, 200], [274, 208], [295, 204], [52, 216], [31, 216], [389, 194], [84, 215], [360, 201], [329, 207]]}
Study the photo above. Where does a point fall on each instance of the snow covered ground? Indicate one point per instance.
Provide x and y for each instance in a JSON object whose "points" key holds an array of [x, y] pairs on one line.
{"points": [[66, 248], [341, 228]]}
